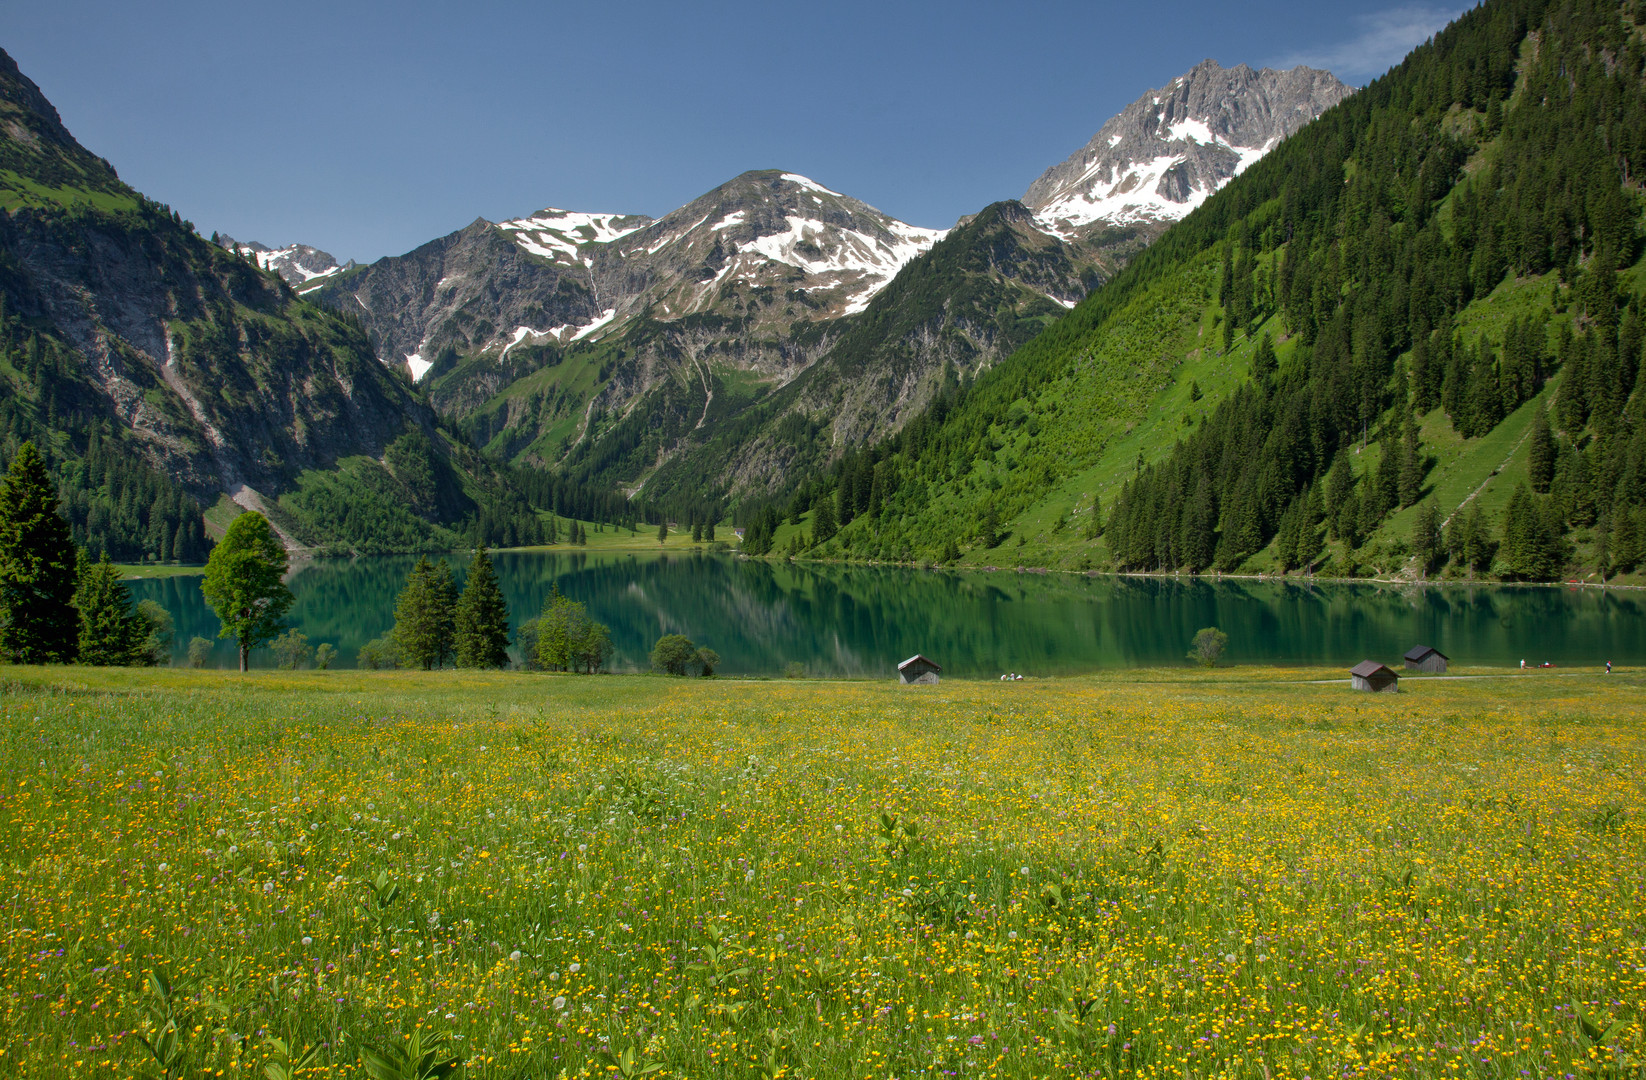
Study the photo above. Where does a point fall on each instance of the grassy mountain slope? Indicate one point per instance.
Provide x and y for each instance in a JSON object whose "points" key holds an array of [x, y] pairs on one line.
{"points": [[1443, 247], [670, 408]]}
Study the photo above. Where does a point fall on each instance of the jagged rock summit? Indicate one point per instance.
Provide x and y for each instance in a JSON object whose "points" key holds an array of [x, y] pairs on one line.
{"points": [[301, 266], [1169, 150], [767, 248]]}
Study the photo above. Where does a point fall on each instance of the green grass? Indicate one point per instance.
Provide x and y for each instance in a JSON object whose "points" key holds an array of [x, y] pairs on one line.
{"points": [[644, 539], [549, 875], [17, 192], [142, 571]]}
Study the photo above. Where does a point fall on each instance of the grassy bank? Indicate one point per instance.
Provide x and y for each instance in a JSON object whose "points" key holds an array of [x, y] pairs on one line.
{"points": [[143, 571], [1162, 873]]}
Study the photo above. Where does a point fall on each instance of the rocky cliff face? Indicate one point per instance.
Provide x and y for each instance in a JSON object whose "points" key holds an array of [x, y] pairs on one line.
{"points": [[1168, 151], [211, 370]]}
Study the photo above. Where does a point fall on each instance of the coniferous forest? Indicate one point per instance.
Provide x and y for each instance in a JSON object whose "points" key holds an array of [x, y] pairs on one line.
{"points": [[1455, 242]]}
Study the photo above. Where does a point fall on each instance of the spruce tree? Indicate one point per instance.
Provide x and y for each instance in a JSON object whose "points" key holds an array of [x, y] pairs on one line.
{"points": [[112, 634], [482, 618], [823, 526], [1531, 544], [424, 615], [1426, 540], [1263, 361], [1540, 452], [988, 529], [38, 567], [1411, 462]]}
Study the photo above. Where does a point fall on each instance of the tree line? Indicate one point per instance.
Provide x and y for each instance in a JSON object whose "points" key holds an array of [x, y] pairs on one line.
{"points": [[57, 605], [1364, 240]]}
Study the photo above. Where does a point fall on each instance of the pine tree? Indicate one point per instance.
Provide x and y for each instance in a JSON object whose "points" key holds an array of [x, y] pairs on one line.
{"points": [[425, 616], [1410, 481], [38, 567], [1340, 483], [823, 526], [1531, 544], [112, 634], [482, 625], [1263, 361], [988, 529], [662, 531], [1427, 544], [1094, 527], [1540, 452]]}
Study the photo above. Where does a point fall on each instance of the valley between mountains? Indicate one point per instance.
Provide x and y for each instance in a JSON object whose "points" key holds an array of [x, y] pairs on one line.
{"points": [[1258, 322]]}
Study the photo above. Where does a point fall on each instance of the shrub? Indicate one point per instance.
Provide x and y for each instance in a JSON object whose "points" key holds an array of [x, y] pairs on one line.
{"points": [[673, 653], [199, 651], [291, 650], [1207, 646], [380, 654]]}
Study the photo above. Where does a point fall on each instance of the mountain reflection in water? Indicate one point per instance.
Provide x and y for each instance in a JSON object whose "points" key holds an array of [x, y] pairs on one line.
{"points": [[861, 621]]}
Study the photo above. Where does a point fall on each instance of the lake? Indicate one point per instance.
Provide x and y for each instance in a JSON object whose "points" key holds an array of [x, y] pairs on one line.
{"points": [[861, 621]]}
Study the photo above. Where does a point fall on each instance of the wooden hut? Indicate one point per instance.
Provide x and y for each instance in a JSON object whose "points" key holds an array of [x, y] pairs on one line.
{"points": [[1373, 677], [918, 669], [1426, 658]]}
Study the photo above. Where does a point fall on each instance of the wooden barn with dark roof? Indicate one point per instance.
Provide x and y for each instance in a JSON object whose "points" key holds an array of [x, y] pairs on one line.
{"points": [[1373, 677], [1426, 658]]}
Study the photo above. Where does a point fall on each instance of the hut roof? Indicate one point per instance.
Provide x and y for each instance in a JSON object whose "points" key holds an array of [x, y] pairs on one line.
{"points": [[917, 658], [1418, 652], [1367, 668]]}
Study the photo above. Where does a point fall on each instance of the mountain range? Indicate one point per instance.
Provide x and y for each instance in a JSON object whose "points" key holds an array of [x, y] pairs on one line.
{"points": [[722, 351], [1407, 342], [725, 351]]}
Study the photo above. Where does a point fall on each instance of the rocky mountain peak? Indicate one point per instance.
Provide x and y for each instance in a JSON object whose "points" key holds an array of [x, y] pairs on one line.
{"points": [[303, 267], [1169, 150], [779, 230]]}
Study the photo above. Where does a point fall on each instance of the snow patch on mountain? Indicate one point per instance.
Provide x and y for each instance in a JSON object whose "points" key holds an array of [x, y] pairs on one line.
{"points": [[1170, 150], [809, 184], [821, 251], [302, 267], [561, 234]]}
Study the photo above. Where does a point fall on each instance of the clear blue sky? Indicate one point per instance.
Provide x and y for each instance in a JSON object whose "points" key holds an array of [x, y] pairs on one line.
{"points": [[369, 128]]}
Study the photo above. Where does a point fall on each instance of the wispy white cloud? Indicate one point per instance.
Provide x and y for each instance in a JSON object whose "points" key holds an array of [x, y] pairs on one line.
{"points": [[1381, 40]]}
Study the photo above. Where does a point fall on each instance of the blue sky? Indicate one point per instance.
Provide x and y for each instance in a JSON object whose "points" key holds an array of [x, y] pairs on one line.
{"points": [[369, 128]]}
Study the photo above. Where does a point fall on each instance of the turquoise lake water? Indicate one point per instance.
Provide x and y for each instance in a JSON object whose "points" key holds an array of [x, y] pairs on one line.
{"points": [[860, 621]]}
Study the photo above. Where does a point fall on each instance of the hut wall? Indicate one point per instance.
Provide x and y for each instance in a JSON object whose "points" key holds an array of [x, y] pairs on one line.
{"points": [[1434, 663]]}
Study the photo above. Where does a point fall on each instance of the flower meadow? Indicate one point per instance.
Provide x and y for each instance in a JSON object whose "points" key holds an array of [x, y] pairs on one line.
{"points": [[1155, 874]]}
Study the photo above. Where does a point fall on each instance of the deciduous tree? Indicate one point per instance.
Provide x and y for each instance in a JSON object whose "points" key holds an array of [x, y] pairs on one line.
{"points": [[243, 583]]}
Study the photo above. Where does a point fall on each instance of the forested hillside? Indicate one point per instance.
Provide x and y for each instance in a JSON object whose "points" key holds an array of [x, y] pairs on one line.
{"points": [[1407, 341]]}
